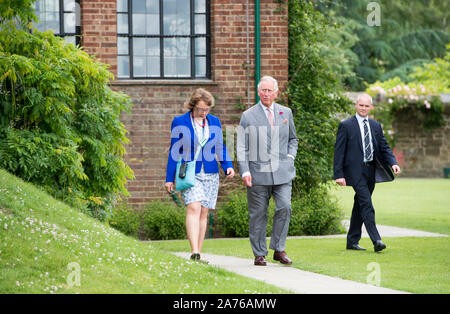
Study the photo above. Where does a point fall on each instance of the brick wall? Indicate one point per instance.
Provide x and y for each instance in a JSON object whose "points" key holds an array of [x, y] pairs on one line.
{"points": [[99, 30], [156, 103], [424, 153]]}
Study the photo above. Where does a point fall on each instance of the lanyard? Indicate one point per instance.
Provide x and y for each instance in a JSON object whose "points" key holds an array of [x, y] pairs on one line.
{"points": [[204, 139]]}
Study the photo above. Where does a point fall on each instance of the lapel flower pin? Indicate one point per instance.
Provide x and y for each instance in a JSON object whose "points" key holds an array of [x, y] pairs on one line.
{"points": [[285, 120]]}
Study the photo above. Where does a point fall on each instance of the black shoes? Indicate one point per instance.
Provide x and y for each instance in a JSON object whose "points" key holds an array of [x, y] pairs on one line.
{"points": [[355, 247], [379, 246], [196, 258]]}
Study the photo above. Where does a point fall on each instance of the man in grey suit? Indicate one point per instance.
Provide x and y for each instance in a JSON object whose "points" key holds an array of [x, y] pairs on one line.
{"points": [[266, 148]]}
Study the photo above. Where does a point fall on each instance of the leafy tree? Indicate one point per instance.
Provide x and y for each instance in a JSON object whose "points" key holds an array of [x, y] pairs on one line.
{"points": [[59, 120], [411, 33], [313, 96]]}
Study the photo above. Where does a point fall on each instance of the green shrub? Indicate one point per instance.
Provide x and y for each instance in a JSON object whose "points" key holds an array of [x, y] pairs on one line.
{"points": [[59, 120], [163, 221], [125, 219], [232, 215], [312, 214]]}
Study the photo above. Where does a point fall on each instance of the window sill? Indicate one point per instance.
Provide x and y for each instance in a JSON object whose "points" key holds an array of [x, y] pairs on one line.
{"points": [[163, 82]]}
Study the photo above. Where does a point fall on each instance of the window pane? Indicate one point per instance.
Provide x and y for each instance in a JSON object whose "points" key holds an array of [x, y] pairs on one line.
{"points": [[200, 6], [41, 24], [122, 23], [123, 66], [122, 45], [139, 47], [176, 17], [200, 66], [153, 6], [39, 5], [69, 22], [139, 6], [152, 24], [200, 24], [153, 66], [153, 48], [122, 5], [69, 5], [139, 24], [177, 60], [51, 5], [200, 46], [52, 22], [139, 66], [70, 39]]}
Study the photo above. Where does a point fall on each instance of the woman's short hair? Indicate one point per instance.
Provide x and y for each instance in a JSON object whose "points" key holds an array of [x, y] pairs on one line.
{"points": [[197, 95]]}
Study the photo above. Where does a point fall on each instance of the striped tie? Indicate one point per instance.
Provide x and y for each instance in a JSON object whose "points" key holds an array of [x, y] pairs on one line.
{"points": [[367, 149]]}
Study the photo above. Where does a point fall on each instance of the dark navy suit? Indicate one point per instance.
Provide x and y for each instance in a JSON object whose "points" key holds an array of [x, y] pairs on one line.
{"points": [[349, 164]]}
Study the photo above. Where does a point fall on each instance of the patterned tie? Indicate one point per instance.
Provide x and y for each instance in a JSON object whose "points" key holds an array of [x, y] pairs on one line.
{"points": [[270, 117], [367, 149]]}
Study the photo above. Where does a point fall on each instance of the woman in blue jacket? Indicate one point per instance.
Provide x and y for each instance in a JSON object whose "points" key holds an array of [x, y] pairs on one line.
{"points": [[189, 130]]}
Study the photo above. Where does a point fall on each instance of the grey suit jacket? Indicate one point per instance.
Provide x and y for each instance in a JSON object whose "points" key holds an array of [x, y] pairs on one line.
{"points": [[263, 151]]}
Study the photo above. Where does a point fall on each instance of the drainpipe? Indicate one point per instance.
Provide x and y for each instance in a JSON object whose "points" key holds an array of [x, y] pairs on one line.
{"points": [[257, 47], [247, 65]]}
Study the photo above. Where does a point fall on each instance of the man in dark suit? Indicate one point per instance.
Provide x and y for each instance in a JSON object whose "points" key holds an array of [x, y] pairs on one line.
{"points": [[361, 158]]}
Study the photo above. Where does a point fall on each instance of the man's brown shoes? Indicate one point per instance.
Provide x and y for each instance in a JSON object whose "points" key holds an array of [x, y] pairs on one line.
{"points": [[282, 258], [260, 261], [277, 256]]}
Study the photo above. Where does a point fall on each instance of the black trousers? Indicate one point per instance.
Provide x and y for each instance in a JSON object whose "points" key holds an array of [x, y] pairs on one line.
{"points": [[363, 211]]}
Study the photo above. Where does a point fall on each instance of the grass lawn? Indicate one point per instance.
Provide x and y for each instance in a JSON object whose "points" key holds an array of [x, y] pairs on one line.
{"points": [[41, 237], [421, 204], [43, 241], [418, 265]]}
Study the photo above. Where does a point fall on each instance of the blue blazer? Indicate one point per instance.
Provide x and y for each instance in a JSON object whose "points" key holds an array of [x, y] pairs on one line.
{"points": [[184, 143]]}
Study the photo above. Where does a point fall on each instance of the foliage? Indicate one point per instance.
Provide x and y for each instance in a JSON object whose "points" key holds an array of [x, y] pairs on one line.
{"points": [[411, 33], [163, 221], [312, 214], [233, 217], [59, 120], [435, 75], [125, 219], [313, 97], [418, 99], [315, 214], [20, 11]]}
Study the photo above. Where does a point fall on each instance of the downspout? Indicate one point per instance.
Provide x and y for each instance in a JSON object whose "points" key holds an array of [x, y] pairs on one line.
{"points": [[247, 65], [257, 48]]}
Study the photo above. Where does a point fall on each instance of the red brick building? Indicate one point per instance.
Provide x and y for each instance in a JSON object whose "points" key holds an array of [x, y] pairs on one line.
{"points": [[160, 50]]}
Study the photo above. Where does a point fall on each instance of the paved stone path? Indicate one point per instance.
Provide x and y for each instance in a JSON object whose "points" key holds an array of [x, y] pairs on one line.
{"points": [[305, 282], [290, 278]]}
